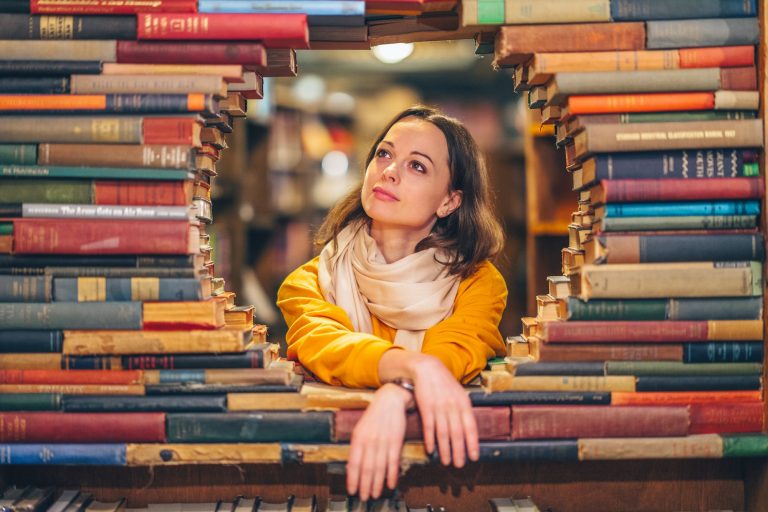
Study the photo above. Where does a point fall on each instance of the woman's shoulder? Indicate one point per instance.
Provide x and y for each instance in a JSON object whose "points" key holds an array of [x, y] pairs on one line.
{"points": [[304, 276], [485, 273]]}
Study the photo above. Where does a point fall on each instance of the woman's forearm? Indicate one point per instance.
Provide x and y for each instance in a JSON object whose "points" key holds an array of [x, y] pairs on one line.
{"points": [[402, 364]]}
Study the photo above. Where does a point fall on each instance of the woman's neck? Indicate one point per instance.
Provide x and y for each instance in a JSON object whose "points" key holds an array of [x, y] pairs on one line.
{"points": [[397, 243]]}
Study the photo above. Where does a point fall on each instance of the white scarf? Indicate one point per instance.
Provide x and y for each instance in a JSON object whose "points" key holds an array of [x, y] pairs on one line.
{"points": [[410, 295]]}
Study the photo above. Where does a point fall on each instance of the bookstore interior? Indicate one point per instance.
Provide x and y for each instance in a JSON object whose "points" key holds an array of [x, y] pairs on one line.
{"points": [[165, 165]]}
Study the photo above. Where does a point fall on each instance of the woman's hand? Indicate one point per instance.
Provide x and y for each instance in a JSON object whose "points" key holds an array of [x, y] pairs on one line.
{"points": [[445, 410], [376, 443]]}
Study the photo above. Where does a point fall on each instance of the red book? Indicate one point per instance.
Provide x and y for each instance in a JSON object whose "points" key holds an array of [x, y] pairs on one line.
{"points": [[173, 130], [610, 352], [624, 191], [652, 331], [684, 397], [274, 30], [71, 377], [647, 102], [492, 424], [726, 418], [64, 236], [717, 57], [738, 79], [136, 52], [110, 6], [60, 427], [156, 193], [585, 421]]}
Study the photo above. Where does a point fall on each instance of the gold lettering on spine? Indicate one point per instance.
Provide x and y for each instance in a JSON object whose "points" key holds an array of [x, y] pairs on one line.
{"points": [[91, 289], [145, 288], [57, 27], [105, 130]]}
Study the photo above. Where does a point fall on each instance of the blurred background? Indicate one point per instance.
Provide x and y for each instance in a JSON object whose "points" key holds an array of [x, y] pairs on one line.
{"points": [[303, 147]]}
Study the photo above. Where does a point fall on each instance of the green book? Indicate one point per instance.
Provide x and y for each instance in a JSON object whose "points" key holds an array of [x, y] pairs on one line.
{"points": [[46, 191], [745, 445], [30, 402], [704, 115], [682, 222], [112, 173], [676, 368], [6, 228], [719, 308], [263, 427], [18, 154], [490, 12]]}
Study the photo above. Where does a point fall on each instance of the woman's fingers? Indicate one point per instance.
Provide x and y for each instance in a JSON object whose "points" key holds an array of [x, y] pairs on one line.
{"points": [[380, 467], [393, 463], [428, 426], [367, 470], [442, 429], [471, 436], [456, 428], [354, 464]]}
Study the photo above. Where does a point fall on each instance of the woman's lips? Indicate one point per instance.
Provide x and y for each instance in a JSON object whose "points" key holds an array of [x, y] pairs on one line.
{"points": [[380, 193]]}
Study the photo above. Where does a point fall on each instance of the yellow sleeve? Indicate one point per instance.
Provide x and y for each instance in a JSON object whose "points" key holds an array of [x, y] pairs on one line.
{"points": [[321, 336], [470, 336]]}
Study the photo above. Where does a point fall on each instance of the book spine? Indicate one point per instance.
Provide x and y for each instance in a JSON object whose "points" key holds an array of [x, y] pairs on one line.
{"points": [[118, 212], [25, 289], [57, 236], [250, 359], [30, 361], [676, 223], [100, 289], [34, 85], [105, 377], [279, 30], [655, 383], [67, 315], [103, 272], [70, 130], [210, 403], [141, 52], [171, 130], [111, 6], [48, 68], [690, 447], [319, 8], [682, 164], [90, 363], [106, 103], [559, 450], [56, 427], [24, 26], [555, 11], [683, 209], [684, 397], [597, 310], [734, 308], [18, 154], [507, 398], [103, 51], [164, 156], [550, 422], [649, 102], [643, 190], [679, 369], [666, 331], [30, 341], [659, 248], [310, 427], [106, 262], [69, 454], [723, 352], [702, 32], [745, 445], [152, 342], [30, 402], [720, 57], [135, 193], [681, 9], [503, 381], [726, 418], [139, 173], [594, 368], [738, 79], [610, 352]]}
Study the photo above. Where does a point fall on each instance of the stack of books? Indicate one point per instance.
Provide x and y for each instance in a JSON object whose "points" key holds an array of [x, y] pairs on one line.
{"points": [[655, 327], [114, 326]]}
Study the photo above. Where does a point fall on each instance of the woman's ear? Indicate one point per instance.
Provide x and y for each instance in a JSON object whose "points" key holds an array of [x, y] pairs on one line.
{"points": [[452, 202]]}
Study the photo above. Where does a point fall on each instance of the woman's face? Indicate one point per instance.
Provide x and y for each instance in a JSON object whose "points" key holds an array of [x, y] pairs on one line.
{"points": [[406, 185]]}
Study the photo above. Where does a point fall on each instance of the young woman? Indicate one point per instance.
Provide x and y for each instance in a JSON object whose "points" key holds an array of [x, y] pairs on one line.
{"points": [[403, 296]]}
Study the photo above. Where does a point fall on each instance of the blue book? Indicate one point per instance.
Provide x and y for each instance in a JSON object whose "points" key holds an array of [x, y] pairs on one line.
{"points": [[190, 403], [697, 383], [595, 368], [32, 341], [701, 32], [627, 10], [319, 12], [501, 451], [80, 454], [723, 352], [66, 289], [71, 315], [25, 288], [133, 104], [507, 398], [682, 209]]}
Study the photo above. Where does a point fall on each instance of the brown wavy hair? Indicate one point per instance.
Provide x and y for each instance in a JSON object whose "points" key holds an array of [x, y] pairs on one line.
{"points": [[471, 234]]}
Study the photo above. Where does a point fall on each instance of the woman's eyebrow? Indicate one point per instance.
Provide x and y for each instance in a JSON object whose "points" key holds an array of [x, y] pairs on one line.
{"points": [[412, 152]]}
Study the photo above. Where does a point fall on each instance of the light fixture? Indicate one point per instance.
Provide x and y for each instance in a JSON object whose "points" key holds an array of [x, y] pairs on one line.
{"points": [[335, 163], [393, 53]]}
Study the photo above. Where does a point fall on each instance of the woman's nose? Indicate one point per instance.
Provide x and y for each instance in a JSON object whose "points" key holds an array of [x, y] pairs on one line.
{"points": [[390, 172]]}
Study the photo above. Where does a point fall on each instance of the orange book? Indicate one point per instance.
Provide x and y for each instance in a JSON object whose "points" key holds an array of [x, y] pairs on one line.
{"points": [[129, 103], [648, 102], [71, 377], [717, 57], [74, 389], [684, 397]]}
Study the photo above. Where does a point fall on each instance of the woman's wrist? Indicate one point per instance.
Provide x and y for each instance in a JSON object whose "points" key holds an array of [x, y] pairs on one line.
{"points": [[398, 393]]}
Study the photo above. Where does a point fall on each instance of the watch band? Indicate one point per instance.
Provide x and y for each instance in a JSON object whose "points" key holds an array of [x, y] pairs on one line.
{"points": [[406, 384]]}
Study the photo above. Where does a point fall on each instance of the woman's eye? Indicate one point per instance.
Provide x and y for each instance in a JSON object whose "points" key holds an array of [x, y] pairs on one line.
{"points": [[418, 166], [382, 153]]}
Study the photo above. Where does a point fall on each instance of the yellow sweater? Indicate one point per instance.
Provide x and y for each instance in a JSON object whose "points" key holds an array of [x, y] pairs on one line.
{"points": [[321, 336]]}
